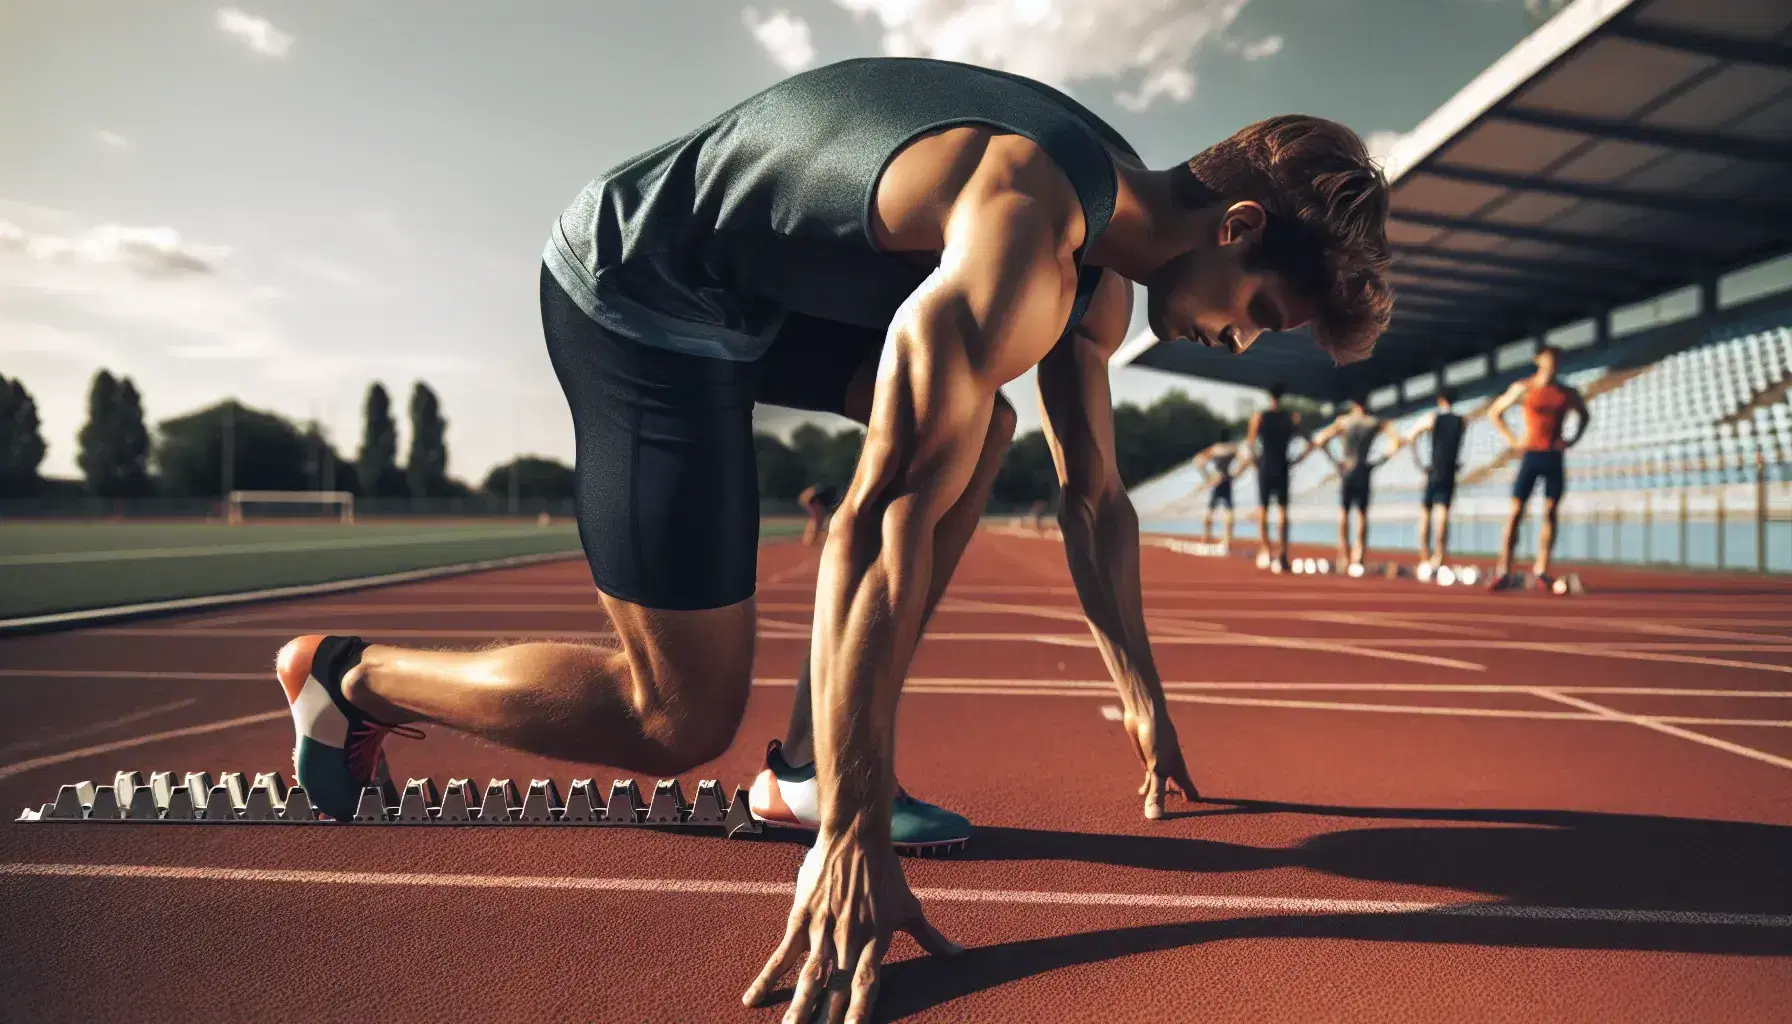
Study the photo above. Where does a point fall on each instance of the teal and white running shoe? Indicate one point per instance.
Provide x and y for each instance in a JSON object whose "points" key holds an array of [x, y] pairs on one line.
{"points": [[785, 797]]}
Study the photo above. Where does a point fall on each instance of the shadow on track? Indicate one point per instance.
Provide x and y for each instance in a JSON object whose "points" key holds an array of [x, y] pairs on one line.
{"points": [[1541, 858]]}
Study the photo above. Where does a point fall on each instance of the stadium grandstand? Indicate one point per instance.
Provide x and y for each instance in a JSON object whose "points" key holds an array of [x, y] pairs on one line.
{"points": [[1618, 186]]}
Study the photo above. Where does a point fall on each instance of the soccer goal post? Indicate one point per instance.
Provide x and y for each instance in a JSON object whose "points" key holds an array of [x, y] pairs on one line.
{"points": [[343, 500]]}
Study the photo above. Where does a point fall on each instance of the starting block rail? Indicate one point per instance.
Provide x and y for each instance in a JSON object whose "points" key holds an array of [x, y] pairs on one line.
{"points": [[193, 798]]}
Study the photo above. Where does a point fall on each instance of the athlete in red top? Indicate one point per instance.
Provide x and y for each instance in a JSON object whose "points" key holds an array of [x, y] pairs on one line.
{"points": [[1546, 402]]}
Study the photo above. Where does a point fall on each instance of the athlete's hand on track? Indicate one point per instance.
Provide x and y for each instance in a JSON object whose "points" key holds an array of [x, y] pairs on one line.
{"points": [[1154, 740], [849, 900]]}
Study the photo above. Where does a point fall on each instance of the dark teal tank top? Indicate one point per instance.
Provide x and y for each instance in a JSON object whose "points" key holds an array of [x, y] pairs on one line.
{"points": [[703, 245]]}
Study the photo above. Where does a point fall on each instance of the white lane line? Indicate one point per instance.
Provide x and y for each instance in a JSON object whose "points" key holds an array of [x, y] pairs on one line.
{"points": [[803, 565], [1407, 623], [20, 767], [132, 673], [1008, 897], [1099, 684], [93, 727], [1661, 726], [1113, 712]]}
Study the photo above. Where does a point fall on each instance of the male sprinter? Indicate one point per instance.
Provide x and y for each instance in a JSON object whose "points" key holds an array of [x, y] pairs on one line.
{"points": [[897, 237], [818, 502], [1358, 429], [1445, 429], [1266, 441], [1546, 402], [1215, 461]]}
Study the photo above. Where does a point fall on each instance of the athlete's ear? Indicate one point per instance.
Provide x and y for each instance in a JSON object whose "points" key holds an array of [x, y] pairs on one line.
{"points": [[1241, 220]]}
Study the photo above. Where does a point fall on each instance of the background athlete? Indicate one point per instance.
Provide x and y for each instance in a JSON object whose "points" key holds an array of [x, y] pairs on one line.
{"points": [[1266, 440], [1444, 428], [1357, 429], [1216, 465], [871, 199], [1546, 402], [818, 502]]}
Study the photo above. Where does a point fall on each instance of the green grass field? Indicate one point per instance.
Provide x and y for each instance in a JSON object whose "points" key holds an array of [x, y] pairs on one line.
{"points": [[69, 566]]}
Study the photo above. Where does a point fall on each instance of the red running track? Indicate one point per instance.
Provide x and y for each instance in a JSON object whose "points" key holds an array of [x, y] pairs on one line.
{"points": [[1424, 805]]}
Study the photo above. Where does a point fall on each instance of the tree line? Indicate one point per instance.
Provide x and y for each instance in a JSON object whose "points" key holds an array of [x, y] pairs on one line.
{"points": [[230, 446]]}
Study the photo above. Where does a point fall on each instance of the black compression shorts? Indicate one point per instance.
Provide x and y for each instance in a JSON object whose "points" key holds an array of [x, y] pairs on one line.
{"points": [[666, 486], [1272, 485], [1440, 488], [1546, 466], [1354, 493]]}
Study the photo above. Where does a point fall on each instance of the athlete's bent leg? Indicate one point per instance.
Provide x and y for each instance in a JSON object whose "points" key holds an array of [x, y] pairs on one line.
{"points": [[668, 700]]}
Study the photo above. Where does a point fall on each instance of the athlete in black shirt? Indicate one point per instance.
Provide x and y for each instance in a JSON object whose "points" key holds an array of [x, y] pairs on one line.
{"points": [[1216, 464], [1266, 442], [1445, 429]]}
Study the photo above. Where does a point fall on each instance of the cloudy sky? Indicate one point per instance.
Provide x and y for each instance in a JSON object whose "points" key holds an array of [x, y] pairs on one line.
{"points": [[284, 201]]}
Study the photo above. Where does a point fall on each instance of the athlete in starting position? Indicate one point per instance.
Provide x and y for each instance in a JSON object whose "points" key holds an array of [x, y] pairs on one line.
{"points": [[1215, 462], [1445, 429], [896, 239], [818, 502], [1358, 429], [1546, 402]]}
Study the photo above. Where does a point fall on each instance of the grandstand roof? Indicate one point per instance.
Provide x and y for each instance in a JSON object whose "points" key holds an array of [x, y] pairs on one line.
{"points": [[1624, 149]]}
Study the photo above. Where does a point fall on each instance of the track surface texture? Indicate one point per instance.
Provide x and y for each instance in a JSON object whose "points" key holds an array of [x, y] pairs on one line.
{"points": [[1421, 804]]}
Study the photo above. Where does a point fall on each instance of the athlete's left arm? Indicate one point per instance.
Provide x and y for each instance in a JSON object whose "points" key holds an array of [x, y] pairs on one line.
{"points": [[1426, 424], [1583, 419], [1101, 530]]}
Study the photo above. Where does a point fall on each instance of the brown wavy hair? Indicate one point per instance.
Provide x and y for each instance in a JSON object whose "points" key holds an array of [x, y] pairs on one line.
{"points": [[1327, 229]]}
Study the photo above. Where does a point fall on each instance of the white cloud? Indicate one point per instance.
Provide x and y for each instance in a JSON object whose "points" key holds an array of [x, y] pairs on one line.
{"points": [[1149, 44], [784, 36], [150, 251], [1268, 46], [1176, 83], [111, 140], [259, 33]]}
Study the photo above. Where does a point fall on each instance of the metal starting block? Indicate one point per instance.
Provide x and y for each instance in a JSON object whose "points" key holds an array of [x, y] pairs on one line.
{"points": [[170, 798]]}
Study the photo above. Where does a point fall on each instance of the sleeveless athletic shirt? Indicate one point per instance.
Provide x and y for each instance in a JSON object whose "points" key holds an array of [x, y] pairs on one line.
{"points": [[1544, 410], [1446, 442], [1275, 428], [1359, 438], [706, 243]]}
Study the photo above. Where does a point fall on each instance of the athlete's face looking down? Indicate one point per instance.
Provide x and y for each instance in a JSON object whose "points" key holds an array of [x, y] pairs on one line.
{"points": [[1210, 295]]}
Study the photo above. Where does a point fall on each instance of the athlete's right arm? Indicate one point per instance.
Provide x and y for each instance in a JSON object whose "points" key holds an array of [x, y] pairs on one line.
{"points": [[1000, 298], [1247, 449], [1425, 425], [1497, 412]]}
